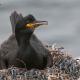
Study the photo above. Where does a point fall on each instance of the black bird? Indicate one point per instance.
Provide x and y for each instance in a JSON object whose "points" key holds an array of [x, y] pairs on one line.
{"points": [[8, 49], [27, 53]]}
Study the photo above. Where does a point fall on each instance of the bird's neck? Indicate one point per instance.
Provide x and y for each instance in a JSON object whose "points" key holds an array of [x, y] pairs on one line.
{"points": [[24, 41], [23, 38]]}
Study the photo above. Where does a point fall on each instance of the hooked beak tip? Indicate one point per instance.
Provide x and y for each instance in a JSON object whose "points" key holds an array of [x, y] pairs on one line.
{"points": [[41, 22]]}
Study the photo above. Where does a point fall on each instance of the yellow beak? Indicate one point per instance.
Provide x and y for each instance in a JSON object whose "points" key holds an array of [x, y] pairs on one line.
{"points": [[36, 24]]}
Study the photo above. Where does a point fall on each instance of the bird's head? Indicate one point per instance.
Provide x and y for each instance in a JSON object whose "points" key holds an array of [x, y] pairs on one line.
{"points": [[27, 25], [32, 23]]}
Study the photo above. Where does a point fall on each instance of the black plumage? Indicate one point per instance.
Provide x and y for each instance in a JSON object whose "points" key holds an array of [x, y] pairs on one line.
{"points": [[10, 49], [26, 52]]}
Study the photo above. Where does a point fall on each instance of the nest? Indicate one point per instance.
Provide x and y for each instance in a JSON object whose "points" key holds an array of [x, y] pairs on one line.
{"points": [[64, 68]]}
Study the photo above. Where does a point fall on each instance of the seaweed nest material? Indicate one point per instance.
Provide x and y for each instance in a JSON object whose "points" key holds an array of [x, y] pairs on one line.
{"points": [[64, 68]]}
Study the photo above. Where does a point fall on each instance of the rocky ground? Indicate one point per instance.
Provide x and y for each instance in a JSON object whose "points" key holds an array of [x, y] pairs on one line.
{"points": [[64, 68]]}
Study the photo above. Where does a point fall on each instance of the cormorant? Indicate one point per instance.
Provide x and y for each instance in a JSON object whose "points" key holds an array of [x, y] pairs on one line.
{"points": [[8, 49], [26, 53]]}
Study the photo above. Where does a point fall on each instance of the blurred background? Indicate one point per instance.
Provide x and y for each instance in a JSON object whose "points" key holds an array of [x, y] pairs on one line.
{"points": [[63, 18]]}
